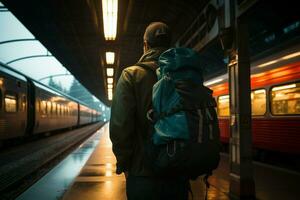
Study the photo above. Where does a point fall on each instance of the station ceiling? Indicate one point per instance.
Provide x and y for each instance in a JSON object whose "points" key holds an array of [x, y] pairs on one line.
{"points": [[73, 31]]}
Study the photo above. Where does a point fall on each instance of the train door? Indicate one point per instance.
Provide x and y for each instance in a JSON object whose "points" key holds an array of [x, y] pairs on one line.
{"points": [[31, 107]]}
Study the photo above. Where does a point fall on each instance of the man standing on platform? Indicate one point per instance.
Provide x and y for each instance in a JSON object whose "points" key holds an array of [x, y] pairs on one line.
{"points": [[129, 126]]}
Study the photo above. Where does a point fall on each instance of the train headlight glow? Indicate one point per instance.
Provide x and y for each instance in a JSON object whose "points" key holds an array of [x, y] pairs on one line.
{"points": [[110, 17]]}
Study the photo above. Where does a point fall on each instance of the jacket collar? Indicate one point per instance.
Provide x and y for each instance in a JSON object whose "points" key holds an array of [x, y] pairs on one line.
{"points": [[152, 54]]}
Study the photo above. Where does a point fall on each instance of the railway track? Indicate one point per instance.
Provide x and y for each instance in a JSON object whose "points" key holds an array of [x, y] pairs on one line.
{"points": [[21, 166]]}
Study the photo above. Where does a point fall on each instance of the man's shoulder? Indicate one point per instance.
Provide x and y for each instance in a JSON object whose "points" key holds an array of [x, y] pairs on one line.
{"points": [[137, 73], [141, 67], [133, 69]]}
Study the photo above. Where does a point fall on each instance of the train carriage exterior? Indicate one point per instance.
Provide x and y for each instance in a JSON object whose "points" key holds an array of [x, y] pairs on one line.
{"points": [[13, 104], [86, 115], [53, 111], [275, 100], [28, 107]]}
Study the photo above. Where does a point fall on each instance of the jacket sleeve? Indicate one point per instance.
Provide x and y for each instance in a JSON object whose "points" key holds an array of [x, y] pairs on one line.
{"points": [[122, 123]]}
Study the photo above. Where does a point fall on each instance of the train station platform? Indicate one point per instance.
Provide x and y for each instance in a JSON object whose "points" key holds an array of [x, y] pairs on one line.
{"points": [[97, 179]]}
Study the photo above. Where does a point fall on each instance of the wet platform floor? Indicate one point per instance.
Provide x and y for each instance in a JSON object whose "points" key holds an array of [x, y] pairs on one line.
{"points": [[97, 179]]}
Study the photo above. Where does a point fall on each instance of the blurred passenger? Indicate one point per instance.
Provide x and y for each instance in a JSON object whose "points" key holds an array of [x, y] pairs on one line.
{"points": [[129, 126]]}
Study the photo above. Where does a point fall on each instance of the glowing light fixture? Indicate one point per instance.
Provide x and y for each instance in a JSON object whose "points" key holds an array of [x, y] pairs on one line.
{"points": [[109, 91], [109, 86], [292, 55], [268, 63], [224, 97], [289, 56], [110, 58], [109, 71], [259, 91], [110, 80], [213, 82], [284, 87], [110, 95], [110, 16]]}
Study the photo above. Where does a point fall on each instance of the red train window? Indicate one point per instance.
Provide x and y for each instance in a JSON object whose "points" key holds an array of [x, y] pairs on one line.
{"points": [[223, 106], [258, 102], [285, 99]]}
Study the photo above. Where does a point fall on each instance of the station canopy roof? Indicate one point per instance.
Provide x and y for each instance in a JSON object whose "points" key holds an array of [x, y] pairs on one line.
{"points": [[73, 32], [20, 50]]}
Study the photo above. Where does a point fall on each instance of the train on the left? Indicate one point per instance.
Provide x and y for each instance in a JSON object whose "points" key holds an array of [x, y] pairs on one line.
{"points": [[28, 108]]}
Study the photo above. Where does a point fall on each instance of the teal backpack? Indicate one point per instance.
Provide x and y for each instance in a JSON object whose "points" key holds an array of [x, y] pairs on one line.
{"points": [[185, 136]]}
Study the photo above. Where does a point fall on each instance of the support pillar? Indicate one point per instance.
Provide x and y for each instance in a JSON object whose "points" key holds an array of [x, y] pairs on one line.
{"points": [[242, 184]]}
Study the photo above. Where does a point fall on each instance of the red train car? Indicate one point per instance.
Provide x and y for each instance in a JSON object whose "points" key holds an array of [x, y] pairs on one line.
{"points": [[275, 100]]}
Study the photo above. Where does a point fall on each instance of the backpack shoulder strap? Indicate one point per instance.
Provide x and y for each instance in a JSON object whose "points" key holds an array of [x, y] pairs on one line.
{"points": [[152, 65]]}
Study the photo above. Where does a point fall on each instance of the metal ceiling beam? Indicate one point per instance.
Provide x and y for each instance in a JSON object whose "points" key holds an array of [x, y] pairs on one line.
{"points": [[27, 57]]}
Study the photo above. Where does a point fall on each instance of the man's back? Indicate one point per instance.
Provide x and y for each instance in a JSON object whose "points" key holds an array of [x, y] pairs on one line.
{"points": [[129, 126]]}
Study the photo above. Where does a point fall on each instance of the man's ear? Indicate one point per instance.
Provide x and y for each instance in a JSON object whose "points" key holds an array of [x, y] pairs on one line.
{"points": [[146, 46]]}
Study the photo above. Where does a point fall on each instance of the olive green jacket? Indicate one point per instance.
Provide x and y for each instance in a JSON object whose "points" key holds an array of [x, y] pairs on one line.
{"points": [[129, 126]]}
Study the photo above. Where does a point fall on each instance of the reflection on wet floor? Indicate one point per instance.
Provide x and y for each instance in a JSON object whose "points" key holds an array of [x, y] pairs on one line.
{"points": [[97, 179], [54, 184]]}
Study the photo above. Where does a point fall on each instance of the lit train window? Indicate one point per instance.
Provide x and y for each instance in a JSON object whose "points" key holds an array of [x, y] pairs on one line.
{"points": [[43, 107], [258, 102], [37, 105], [285, 99], [58, 109], [0, 97], [62, 110], [23, 103], [54, 108], [223, 105], [48, 107], [10, 102]]}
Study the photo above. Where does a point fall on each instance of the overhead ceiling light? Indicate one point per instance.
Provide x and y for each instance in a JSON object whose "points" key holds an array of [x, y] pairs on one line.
{"points": [[110, 16], [109, 97], [109, 86], [109, 71], [110, 90], [110, 80], [110, 58]]}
